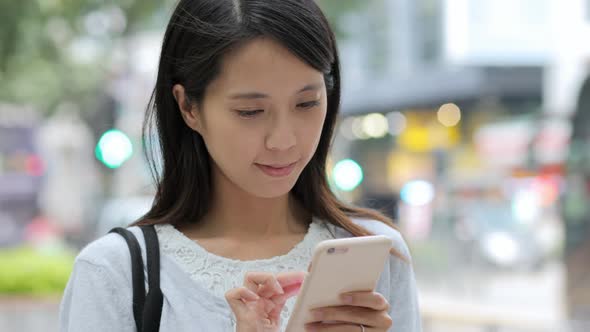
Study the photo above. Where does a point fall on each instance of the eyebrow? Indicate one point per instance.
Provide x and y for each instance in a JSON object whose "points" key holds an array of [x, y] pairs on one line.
{"points": [[259, 95]]}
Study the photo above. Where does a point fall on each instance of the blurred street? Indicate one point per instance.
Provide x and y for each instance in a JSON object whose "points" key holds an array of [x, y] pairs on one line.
{"points": [[29, 315], [499, 302]]}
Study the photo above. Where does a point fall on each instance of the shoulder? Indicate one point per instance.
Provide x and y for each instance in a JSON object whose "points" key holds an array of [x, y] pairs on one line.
{"points": [[99, 289], [110, 250], [376, 227]]}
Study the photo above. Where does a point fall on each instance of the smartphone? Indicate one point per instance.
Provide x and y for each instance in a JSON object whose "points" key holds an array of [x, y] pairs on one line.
{"points": [[339, 266]]}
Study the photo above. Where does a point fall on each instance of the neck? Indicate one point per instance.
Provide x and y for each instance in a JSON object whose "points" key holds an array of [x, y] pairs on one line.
{"points": [[237, 213]]}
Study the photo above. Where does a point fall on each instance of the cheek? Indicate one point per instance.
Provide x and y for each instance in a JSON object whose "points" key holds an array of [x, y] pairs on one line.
{"points": [[231, 146], [310, 133]]}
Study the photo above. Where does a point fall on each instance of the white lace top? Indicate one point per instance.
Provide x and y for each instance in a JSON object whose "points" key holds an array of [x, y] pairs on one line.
{"points": [[219, 274]]}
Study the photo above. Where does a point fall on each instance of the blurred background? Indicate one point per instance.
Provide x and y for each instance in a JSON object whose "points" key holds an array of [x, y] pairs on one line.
{"points": [[467, 121]]}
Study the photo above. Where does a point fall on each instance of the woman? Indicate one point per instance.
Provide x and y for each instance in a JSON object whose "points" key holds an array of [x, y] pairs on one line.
{"points": [[245, 104]]}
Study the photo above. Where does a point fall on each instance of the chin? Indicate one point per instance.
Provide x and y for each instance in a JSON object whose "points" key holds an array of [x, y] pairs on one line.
{"points": [[271, 190]]}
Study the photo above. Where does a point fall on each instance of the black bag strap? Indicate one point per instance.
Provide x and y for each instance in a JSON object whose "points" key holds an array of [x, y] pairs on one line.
{"points": [[136, 273], [152, 312], [147, 310]]}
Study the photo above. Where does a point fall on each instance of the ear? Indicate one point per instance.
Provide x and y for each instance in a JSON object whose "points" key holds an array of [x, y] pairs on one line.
{"points": [[189, 111]]}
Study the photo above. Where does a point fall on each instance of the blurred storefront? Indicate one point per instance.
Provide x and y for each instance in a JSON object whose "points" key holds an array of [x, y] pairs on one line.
{"points": [[21, 171]]}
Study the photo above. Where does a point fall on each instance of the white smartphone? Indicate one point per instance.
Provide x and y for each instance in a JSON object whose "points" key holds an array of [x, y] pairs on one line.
{"points": [[339, 266]]}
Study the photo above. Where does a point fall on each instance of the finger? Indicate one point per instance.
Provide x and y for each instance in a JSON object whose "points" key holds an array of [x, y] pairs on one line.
{"points": [[290, 291], [264, 307], [280, 300], [291, 284], [275, 314], [351, 315], [371, 300], [317, 327], [286, 279], [241, 294], [265, 322], [266, 325], [239, 298], [262, 283]]}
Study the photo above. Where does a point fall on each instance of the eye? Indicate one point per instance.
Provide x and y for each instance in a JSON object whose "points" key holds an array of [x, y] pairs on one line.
{"points": [[309, 104], [249, 113]]}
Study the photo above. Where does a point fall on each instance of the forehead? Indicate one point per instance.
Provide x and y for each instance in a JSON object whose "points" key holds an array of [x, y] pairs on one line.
{"points": [[264, 64]]}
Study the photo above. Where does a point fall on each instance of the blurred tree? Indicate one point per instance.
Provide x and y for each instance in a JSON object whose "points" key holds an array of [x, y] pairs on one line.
{"points": [[54, 50], [365, 22], [336, 12]]}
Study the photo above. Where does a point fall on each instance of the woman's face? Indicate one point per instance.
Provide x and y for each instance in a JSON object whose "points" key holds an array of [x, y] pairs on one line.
{"points": [[261, 118]]}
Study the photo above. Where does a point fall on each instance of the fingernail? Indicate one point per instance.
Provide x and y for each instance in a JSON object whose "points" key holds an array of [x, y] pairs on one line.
{"points": [[347, 299], [279, 287]]}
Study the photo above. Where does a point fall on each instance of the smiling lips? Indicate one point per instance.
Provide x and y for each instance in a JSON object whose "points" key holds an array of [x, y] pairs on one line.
{"points": [[277, 170]]}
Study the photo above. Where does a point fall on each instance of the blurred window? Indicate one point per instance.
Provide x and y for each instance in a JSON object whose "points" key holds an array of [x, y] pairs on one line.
{"points": [[429, 26]]}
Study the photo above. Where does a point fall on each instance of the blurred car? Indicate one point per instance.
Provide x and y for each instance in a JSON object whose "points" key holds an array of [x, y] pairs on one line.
{"points": [[495, 236]]}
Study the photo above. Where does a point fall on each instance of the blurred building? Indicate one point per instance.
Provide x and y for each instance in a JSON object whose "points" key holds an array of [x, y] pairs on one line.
{"points": [[456, 103], [435, 76]]}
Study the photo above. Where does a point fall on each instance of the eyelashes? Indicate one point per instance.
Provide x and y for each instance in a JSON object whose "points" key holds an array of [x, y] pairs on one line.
{"points": [[249, 114], [309, 104], [253, 113]]}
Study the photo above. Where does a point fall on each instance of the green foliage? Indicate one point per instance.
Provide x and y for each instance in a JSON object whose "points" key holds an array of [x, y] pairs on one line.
{"points": [[38, 55], [368, 28], [26, 271], [37, 61], [336, 9]]}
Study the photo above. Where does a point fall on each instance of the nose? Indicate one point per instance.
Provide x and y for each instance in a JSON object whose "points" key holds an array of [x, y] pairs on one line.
{"points": [[281, 134]]}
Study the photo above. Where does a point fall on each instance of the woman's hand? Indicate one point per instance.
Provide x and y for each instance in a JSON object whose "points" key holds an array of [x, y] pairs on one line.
{"points": [[258, 304], [360, 311]]}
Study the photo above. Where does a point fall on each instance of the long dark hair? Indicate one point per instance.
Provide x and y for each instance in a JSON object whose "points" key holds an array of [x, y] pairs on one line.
{"points": [[199, 34]]}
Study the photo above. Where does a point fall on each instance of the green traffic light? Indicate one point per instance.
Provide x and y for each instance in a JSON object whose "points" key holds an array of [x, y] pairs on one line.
{"points": [[347, 175], [114, 148]]}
